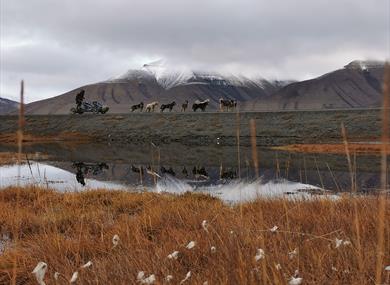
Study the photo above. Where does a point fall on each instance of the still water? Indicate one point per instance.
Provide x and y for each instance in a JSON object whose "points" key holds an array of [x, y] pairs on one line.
{"points": [[224, 172]]}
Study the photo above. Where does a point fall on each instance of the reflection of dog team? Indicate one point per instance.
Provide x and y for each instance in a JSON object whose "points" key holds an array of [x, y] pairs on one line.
{"points": [[198, 172]]}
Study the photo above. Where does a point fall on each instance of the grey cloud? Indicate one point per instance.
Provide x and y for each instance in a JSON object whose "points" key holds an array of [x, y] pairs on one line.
{"points": [[90, 40]]}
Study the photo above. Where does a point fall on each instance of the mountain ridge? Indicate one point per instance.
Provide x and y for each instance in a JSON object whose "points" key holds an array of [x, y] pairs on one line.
{"points": [[356, 85], [7, 106]]}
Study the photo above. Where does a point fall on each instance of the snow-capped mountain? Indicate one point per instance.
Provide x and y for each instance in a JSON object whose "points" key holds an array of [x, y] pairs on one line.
{"points": [[7, 106], [168, 76], [357, 85], [364, 65]]}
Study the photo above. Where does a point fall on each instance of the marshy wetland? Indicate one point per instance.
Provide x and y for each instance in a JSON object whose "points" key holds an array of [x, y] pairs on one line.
{"points": [[174, 167], [104, 202]]}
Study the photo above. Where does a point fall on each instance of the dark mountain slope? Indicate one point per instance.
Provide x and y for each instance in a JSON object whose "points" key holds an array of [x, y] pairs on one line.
{"points": [[7, 106], [357, 85]]}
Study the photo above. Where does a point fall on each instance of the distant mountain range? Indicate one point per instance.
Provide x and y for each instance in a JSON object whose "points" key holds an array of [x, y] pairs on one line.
{"points": [[357, 85], [7, 106]]}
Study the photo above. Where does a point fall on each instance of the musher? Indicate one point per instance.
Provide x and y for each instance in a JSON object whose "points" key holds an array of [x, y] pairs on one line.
{"points": [[80, 99]]}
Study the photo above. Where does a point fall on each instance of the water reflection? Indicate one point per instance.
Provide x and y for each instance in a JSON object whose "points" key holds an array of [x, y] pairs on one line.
{"points": [[83, 169], [200, 165], [167, 171], [228, 174], [200, 173], [48, 176]]}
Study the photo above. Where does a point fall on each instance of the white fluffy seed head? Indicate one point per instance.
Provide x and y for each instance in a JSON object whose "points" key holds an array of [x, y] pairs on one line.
{"points": [[346, 243], [205, 225], [169, 278], [39, 272], [387, 268], [338, 242], [213, 249], [188, 276], [56, 275], [115, 240], [140, 275], [274, 229], [88, 264], [191, 244], [174, 255], [74, 277], [150, 280], [259, 254], [293, 253], [295, 281]]}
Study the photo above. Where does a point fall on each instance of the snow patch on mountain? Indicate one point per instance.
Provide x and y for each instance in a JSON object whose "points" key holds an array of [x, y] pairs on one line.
{"points": [[169, 76], [364, 64]]}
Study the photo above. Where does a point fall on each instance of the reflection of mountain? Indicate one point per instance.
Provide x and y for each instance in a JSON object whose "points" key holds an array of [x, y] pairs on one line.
{"points": [[357, 85]]}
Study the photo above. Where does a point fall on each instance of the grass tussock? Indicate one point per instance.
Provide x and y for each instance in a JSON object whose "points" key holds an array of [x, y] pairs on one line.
{"points": [[68, 230]]}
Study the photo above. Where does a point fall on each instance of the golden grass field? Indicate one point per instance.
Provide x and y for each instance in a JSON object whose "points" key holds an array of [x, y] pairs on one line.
{"points": [[67, 230]]}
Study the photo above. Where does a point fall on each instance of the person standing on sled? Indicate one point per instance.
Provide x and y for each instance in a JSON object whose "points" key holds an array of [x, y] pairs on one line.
{"points": [[79, 99]]}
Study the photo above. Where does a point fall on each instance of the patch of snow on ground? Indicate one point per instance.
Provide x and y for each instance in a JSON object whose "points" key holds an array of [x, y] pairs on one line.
{"points": [[241, 191], [236, 191], [44, 175]]}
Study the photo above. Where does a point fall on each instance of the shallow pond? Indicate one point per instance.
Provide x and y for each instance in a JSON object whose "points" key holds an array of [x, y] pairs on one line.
{"points": [[225, 172]]}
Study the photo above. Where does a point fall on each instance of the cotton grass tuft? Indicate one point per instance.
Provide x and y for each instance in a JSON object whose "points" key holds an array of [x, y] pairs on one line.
{"points": [[191, 245], [39, 272]]}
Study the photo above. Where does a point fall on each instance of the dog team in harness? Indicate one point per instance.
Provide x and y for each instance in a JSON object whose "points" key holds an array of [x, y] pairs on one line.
{"points": [[96, 107]]}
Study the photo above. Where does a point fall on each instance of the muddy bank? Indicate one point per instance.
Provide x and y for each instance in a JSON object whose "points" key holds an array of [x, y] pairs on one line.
{"points": [[272, 128]]}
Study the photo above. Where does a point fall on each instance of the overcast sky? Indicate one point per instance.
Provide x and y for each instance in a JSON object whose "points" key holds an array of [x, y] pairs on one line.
{"points": [[56, 46]]}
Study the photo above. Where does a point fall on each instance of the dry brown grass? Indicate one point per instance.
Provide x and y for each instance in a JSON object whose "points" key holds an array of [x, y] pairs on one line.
{"points": [[66, 137], [336, 148], [8, 158], [67, 230]]}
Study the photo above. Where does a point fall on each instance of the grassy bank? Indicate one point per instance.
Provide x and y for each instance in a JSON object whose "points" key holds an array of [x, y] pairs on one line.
{"points": [[68, 230], [273, 128]]}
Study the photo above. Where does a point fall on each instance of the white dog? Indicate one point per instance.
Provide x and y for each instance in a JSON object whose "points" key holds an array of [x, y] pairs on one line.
{"points": [[150, 107]]}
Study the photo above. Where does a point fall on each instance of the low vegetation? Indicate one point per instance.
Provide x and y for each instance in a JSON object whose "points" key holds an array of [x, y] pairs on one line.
{"points": [[262, 242], [370, 148], [65, 137], [10, 158]]}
